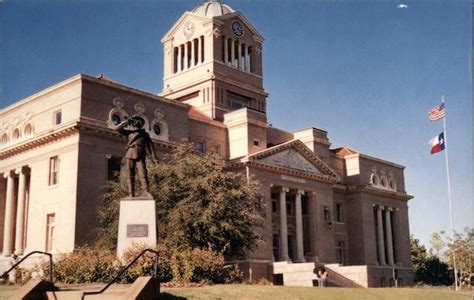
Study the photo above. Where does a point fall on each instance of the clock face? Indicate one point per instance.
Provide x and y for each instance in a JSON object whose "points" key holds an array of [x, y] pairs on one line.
{"points": [[238, 29], [188, 29]]}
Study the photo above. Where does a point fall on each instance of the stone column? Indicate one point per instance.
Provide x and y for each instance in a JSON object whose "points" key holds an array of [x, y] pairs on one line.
{"points": [[380, 236], [232, 52], [20, 212], [179, 58], [247, 59], [8, 230], [226, 51], [186, 65], [192, 53], [299, 228], [313, 226], [388, 234], [283, 226], [239, 55]]}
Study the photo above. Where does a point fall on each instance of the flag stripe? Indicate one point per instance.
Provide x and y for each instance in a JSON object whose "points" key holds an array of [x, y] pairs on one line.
{"points": [[437, 112]]}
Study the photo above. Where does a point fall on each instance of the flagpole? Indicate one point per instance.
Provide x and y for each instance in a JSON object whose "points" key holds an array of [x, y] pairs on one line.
{"points": [[449, 196]]}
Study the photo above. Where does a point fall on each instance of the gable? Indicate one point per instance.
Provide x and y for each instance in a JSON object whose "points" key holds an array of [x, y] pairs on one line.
{"points": [[290, 158]]}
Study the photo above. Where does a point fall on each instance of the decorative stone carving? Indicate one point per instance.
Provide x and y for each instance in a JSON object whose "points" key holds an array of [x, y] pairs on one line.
{"points": [[119, 102], [216, 33], [290, 158], [140, 108], [159, 113]]}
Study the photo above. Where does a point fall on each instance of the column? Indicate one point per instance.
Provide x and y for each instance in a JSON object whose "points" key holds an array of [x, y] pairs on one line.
{"points": [[179, 58], [192, 53], [232, 52], [313, 226], [283, 226], [186, 65], [226, 51], [20, 212], [299, 228], [239, 55], [388, 234], [380, 236], [246, 55], [199, 51], [7, 234]]}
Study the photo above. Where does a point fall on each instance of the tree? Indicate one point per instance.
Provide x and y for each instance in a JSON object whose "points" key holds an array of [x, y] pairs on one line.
{"points": [[200, 204], [460, 253], [428, 268], [437, 243]]}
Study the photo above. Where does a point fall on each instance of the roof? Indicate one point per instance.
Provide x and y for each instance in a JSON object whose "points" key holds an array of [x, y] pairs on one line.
{"points": [[212, 8]]}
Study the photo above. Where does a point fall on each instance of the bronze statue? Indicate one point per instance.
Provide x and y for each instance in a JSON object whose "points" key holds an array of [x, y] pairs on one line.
{"points": [[139, 145]]}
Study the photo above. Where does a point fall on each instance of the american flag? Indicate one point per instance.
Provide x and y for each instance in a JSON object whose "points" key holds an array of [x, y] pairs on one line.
{"points": [[437, 112]]}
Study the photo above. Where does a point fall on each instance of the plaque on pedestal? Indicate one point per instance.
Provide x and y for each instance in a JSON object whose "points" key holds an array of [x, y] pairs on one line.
{"points": [[137, 223]]}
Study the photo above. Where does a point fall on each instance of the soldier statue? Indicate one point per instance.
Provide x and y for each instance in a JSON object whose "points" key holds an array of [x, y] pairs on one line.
{"points": [[139, 145]]}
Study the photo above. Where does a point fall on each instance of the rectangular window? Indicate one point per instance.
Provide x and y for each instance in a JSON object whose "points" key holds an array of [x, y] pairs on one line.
{"points": [[327, 213], [304, 204], [339, 213], [200, 147], [289, 208], [53, 170], [341, 252], [50, 227], [256, 143], [274, 206], [215, 149], [57, 117]]}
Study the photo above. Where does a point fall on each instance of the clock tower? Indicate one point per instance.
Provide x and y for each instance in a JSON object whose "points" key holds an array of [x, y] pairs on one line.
{"points": [[213, 61]]}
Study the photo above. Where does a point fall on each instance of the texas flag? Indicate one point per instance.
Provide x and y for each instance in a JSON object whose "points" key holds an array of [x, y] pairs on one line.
{"points": [[437, 143]]}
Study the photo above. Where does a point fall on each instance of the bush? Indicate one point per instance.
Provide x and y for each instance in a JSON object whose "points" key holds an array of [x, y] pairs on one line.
{"points": [[88, 265], [85, 265]]}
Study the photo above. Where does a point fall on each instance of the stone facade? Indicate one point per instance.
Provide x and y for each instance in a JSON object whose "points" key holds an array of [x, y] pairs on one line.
{"points": [[327, 206]]}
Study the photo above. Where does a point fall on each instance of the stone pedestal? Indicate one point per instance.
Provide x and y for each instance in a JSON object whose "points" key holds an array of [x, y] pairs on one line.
{"points": [[137, 223]]}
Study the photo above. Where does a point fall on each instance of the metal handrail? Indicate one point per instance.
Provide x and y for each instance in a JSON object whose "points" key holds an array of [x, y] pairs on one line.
{"points": [[155, 271], [26, 256]]}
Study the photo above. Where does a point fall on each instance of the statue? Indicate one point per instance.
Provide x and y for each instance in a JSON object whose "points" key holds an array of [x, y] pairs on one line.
{"points": [[139, 145]]}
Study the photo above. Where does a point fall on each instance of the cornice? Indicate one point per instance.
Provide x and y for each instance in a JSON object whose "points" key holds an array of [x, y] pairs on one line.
{"points": [[373, 191]]}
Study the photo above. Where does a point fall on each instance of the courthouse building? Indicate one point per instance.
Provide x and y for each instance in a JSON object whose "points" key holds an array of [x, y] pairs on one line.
{"points": [[331, 206]]}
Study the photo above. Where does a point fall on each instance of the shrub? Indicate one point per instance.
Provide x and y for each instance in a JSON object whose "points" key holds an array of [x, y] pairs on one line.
{"points": [[85, 265], [146, 264]]}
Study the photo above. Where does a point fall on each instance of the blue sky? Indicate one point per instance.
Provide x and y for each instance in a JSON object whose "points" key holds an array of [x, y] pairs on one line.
{"points": [[365, 71]]}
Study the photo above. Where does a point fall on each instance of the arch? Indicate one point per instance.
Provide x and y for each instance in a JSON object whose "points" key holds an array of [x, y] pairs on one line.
{"points": [[374, 179], [4, 139], [159, 130], [16, 134], [28, 130], [116, 115], [383, 181], [392, 184]]}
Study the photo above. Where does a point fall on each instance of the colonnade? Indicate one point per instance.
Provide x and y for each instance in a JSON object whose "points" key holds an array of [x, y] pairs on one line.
{"points": [[385, 249], [236, 54], [188, 54], [14, 231], [284, 226]]}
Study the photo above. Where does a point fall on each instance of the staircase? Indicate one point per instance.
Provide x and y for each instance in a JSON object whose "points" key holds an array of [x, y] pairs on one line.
{"points": [[346, 276]]}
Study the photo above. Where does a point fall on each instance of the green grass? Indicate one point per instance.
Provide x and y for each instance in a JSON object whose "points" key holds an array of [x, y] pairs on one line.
{"points": [[241, 291]]}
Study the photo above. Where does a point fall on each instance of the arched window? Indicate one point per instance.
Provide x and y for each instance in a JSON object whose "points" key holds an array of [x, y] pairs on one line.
{"points": [[28, 130], [16, 134], [4, 138], [116, 116], [392, 184], [383, 182], [374, 179]]}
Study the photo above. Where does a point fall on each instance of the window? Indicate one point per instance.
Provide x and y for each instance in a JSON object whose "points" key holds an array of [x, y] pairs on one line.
{"points": [[274, 206], [4, 138], [339, 213], [28, 129], [116, 119], [157, 129], [327, 213], [53, 170], [114, 165], [256, 143], [340, 252], [57, 117], [16, 134], [200, 147], [215, 149], [50, 227]]}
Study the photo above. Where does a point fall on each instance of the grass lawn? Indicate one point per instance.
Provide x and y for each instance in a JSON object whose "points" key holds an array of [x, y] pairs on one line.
{"points": [[242, 291]]}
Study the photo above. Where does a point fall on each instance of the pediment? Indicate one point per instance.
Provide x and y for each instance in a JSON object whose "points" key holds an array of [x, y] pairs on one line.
{"points": [[291, 158], [180, 22], [245, 21], [296, 156]]}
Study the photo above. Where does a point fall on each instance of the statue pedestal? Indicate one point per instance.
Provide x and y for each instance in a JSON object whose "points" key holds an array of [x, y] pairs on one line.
{"points": [[137, 223]]}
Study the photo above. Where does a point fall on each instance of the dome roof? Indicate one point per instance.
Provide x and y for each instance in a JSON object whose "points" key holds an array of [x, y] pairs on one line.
{"points": [[212, 8]]}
